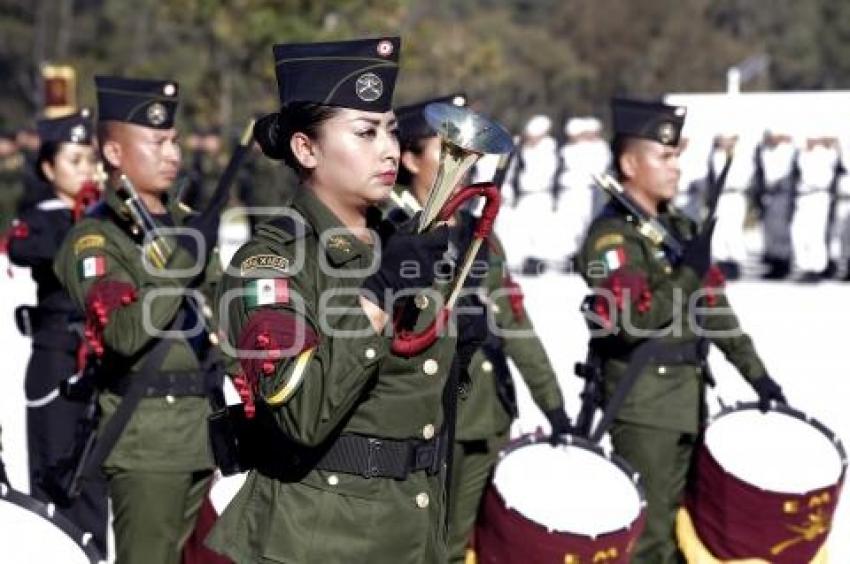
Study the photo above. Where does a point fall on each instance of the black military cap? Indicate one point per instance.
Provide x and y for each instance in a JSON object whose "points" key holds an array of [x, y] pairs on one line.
{"points": [[411, 121], [648, 120], [151, 103], [75, 128], [358, 74]]}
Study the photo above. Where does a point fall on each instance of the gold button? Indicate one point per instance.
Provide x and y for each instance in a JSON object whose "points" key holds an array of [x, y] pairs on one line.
{"points": [[662, 370], [487, 366], [430, 367], [495, 307], [667, 269], [421, 301], [370, 353], [422, 500], [428, 432], [169, 398], [333, 480]]}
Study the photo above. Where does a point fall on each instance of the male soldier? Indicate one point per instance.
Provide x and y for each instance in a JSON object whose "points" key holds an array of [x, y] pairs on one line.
{"points": [[159, 465], [839, 237], [656, 427], [11, 165], [728, 244], [776, 177], [818, 164], [532, 181], [487, 403]]}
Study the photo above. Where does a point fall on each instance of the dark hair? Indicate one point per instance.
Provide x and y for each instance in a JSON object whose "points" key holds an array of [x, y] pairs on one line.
{"points": [[104, 134], [619, 145], [274, 132], [415, 145], [47, 152]]}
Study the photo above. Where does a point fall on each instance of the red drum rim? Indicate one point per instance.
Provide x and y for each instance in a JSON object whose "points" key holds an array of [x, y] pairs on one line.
{"points": [[48, 512], [792, 412], [580, 442]]}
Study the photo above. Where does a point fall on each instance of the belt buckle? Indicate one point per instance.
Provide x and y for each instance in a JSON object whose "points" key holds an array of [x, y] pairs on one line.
{"points": [[372, 469]]}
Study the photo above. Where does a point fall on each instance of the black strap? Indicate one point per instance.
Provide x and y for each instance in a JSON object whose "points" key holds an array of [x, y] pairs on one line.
{"points": [[649, 351], [373, 457], [161, 384], [111, 432]]}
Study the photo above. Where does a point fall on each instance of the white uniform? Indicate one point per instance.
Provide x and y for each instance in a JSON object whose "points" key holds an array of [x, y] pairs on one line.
{"points": [[692, 182], [839, 237], [777, 167], [809, 226], [576, 204], [527, 229], [727, 245]]}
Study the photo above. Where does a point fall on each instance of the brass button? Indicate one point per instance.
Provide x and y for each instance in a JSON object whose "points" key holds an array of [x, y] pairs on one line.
{"points": [[370, 353], [428, 432], [662, 370], [422, 500], [487, 366], [430, 367], [421, 301], [333, 480], [667, 269], [169, 399], [495, 307]]}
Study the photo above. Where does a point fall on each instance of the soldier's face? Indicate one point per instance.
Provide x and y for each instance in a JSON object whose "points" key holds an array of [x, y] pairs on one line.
{"points": [[73, 165], [355, 157], [423, 166], [653, 169], [149, 157]]}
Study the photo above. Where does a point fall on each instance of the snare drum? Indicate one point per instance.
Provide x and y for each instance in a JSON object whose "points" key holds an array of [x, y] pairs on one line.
{"points": [[765, 485], [567, 504], [32, 532]]}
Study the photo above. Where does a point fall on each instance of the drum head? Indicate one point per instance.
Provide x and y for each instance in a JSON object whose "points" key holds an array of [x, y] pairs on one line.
{"points": [[30, 535], [568, 488], [779, 451]]}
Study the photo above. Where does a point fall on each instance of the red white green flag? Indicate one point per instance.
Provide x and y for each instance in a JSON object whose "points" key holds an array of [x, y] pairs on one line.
{"points": [[266, 291]]}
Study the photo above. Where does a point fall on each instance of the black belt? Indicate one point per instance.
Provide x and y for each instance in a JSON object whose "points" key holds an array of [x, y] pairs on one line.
{"points": [[160, 384], [687, 352], [372, 457]]}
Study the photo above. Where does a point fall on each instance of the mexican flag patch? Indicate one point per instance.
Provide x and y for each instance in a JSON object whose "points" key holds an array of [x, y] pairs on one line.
{"points": [[615, 258], [91, 267], [266, 291]]}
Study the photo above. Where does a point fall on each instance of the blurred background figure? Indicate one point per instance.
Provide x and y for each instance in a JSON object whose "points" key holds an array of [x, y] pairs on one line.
{"points": [[775, 181], [693, 179], [839, 232], [531, 182], [35, 189], [11, 164], [65, 161], [584, 154], [727, 244], [818, 164]]}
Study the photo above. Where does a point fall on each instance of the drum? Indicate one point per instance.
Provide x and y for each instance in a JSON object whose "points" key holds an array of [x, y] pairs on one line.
{"points": [[568, 504], [32, 532], [765, 485]]}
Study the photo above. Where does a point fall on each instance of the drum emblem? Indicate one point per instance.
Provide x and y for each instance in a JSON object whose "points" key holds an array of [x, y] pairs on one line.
{"points": [[369, 87], [815, 526]]}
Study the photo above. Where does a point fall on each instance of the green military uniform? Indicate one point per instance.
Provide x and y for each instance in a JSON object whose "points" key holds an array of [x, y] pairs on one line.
{"points": [[344, 386], [11, 186], [159, 467], [483, 419], [657, 425]]}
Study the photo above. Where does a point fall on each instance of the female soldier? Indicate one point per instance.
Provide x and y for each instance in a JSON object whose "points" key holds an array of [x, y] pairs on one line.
{"points": [[353, 470], [487, 404], [66, 160]]}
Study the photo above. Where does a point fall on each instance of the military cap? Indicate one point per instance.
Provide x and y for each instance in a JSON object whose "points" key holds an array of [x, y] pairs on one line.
{"points": [[411, 121], [358, 74], [151, 103], [75, 128], [655, 121]]}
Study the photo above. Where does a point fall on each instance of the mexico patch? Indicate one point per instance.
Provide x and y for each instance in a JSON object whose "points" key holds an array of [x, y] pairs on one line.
{"points": [[88, 242], [264, 262], [266, 291], [91, 267], [615, 258]]}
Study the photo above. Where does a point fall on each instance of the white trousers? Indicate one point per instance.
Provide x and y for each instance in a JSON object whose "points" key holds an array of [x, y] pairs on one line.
{"points": [[808, 231], [728, 241]]}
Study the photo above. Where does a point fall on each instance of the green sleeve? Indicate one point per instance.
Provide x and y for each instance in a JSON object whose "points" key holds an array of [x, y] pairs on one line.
{"points": [[313, 390], [724, 330], [125, 331]]}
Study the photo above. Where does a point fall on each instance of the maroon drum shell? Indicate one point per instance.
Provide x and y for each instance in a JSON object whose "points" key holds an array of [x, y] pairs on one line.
{"points": [[737, 520], [504, 536]]}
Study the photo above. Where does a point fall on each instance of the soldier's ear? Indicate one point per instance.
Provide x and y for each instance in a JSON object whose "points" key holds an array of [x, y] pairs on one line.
{"points": [[304, 150], [48, 171], [112, 153], [628, 164], [410, 161]]}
